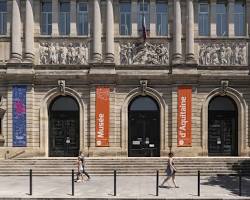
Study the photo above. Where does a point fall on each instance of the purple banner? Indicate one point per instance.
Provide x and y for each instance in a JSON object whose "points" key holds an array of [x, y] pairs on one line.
{"points": [[19, 115]]}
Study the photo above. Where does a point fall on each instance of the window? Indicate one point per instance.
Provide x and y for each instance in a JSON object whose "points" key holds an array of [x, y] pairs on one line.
{"points": [[46, 17], [162, 18], [143, 10], [221, 18], [82, 18], [125, 18], [239, 18], [3, 17], [64, 26], [203, 19]]}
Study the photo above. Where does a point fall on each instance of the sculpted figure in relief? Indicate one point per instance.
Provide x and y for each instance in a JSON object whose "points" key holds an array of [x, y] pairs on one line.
{"points": [[52, 54], [144, 53], [223, 54], [56, 53], [82, 54]]}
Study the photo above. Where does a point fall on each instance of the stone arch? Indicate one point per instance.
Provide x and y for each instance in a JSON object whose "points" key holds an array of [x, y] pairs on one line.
{"points": [[242, 119], [124, 115], [44, 120]]}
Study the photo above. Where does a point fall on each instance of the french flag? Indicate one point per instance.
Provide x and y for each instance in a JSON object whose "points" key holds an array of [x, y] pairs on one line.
{"points": [[144, 31]]}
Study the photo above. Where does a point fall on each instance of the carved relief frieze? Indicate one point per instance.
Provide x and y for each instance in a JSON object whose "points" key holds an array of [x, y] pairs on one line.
{"points": [[223, 53], [144, 53], [62, 53]]}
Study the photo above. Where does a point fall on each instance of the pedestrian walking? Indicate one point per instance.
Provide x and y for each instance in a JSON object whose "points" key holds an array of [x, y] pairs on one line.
{"points": [[83, 165], [170, 170], [79, 170]]}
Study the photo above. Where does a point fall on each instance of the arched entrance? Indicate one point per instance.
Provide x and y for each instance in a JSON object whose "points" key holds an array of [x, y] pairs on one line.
{"points": [[222, 127], [143, 127], [64, 127]]}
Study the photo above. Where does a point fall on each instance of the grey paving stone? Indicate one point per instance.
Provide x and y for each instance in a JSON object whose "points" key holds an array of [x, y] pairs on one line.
{"points": [[128, 187]]}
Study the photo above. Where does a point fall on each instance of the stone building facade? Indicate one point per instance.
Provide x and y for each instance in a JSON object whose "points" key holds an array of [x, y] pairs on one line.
{"points": [[183, 91]]}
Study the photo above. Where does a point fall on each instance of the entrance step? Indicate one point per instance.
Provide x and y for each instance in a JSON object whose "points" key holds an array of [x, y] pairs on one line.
{"points": [[126, 166]]}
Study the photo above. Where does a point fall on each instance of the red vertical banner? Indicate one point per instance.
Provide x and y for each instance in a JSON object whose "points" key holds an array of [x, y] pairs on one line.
{"points": [[184, 117], [102, 116]]}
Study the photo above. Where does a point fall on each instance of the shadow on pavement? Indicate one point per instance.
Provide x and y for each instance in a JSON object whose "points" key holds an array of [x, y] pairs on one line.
{"points": [[231, 182]]}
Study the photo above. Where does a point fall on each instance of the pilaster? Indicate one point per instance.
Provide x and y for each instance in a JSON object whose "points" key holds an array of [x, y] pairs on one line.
{"points": [[73, 18], [213, 18], [55, 18], [134, 18], [247, 17], [153, 21], [37, 18], [9, 16]]}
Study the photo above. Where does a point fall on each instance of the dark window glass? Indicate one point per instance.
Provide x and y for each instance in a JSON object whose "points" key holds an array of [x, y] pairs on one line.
{"points": [[161, 18], [3, 17], [239, 18], [65, 104], [46, 6], [46, 17], [143, 10], [82, 22], [221, 19], [142, 103], [222, 103], [3, 6], [125, 18], [204, 19], [64, 25]]}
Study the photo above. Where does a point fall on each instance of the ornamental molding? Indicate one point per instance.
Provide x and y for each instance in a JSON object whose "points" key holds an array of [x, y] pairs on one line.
{"points": [[61, 86], [144, 53], [62, 53], [224, 87], [143, 86], [223, 53]]}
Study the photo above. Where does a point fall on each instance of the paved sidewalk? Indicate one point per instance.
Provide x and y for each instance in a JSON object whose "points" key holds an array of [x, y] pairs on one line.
{"points": [[143, 187]]}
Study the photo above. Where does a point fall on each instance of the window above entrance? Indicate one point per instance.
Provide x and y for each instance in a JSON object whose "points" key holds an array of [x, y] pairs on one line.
{"points": [[64, 104], [222, 103], [143, 104]]}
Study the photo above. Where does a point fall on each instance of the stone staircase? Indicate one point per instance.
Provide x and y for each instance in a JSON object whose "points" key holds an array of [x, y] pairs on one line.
{"points": [[125, 166]]}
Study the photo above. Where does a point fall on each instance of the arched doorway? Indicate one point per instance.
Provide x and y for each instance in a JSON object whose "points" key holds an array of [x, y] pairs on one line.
{"points": [[143, 127], [64, 127], [222, 127]]}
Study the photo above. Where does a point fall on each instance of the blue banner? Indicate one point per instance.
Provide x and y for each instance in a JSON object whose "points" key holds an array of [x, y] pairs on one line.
{"points": [[19, 115]]}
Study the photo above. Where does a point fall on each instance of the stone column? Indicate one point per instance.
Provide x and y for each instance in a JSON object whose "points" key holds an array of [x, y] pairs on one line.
{"points": [[231, 18], [16, 43], [177, 53], [213, 18], [97, 32], [190, 32], [29, 32], [109, 32]]}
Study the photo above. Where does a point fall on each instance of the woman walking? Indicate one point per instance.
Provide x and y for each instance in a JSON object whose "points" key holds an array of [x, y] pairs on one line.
{"points": [[79, 170], [170, 170]]}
